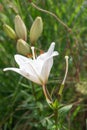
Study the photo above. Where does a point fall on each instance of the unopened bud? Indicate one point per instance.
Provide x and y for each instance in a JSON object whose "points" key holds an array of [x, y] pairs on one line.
{"points": [[20, 28], [23, 47], [36, 30], [9, 31]]}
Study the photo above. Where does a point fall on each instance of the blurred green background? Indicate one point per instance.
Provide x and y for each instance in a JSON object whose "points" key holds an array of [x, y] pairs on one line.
{"points": [[19, 109]]}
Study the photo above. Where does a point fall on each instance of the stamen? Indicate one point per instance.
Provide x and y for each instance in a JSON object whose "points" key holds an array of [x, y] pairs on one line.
{"points": [[33, 53]]}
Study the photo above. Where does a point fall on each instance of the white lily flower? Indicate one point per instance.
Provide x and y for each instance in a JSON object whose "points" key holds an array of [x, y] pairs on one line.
{"points": [[36, 70]]}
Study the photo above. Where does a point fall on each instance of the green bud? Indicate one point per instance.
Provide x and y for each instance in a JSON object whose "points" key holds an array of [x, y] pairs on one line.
{"points": [[20, 28], [36, 30], [22, 47], [9, 31]]}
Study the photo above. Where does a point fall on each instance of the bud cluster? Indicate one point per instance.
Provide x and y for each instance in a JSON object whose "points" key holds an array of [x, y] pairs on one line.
{"points": [[20, 33]]}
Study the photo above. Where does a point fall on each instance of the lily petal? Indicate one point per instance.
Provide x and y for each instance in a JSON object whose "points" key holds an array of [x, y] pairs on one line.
{"points": [[51, 49], [24, 74], [21, 59], [26, 64], [13, 69], [47, 67], [48, 53]]}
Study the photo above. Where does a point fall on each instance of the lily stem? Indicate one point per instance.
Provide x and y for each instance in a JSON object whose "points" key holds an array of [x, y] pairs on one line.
{"points": [[47, 95]]}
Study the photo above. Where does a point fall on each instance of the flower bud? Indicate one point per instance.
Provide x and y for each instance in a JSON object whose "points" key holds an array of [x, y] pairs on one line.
{"points": [[20, 28], [22, 47], [36, 30], [9, 31]]}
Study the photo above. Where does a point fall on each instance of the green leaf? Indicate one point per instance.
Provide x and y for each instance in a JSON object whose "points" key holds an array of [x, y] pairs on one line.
{"points": [[64, 110]]}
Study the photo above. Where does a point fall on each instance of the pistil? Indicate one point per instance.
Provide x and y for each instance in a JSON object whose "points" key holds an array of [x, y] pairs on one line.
{"points": [[66, 58]]}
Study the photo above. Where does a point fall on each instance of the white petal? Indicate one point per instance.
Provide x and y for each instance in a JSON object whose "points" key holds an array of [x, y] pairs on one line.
{"points": [[31, 77], [55, 53], [21, 59], [47, 67], [37, 65], [13, 69], [26, 75], [42, 57], [51, 48], [27, 65], [48, 53]]}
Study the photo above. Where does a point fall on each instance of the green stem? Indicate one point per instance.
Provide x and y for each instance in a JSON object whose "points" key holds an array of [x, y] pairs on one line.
{"points": [[61, 89], [52, 14], [47, 95]]}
